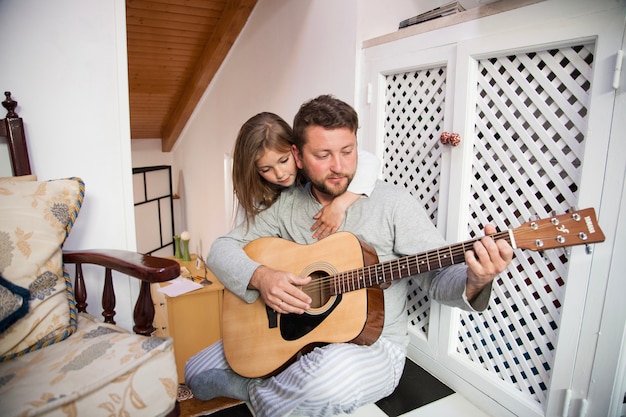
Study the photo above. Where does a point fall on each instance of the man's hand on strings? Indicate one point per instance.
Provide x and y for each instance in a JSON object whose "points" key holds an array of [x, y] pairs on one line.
{"points": [[487, 259]]}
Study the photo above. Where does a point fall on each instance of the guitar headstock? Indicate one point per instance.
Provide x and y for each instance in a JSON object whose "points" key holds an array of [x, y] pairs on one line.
{"points": [[576, 228]]}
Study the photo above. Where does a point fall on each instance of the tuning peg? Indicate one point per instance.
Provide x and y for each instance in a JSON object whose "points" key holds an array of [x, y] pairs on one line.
{"points": [[533, 221], [576, 216], [554, 220]]}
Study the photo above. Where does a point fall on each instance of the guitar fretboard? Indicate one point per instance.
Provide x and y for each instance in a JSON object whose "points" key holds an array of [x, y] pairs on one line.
{"points": [[385, 272]]}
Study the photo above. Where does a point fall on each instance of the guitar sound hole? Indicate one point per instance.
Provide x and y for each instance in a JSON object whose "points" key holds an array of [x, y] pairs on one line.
{"points": [[318, 289]]}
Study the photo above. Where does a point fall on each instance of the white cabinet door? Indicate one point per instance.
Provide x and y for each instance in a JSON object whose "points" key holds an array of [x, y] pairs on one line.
{"points": [[532, 104], [411, 108]]}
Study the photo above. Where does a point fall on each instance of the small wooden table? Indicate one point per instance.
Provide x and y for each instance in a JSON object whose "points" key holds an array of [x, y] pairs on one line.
{"points": [[192, 319]]}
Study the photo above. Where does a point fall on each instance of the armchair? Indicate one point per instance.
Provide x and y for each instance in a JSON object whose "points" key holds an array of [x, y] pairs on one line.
{"points": [[55, 358]]}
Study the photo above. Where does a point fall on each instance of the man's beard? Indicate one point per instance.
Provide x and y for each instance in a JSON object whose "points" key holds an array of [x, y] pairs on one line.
{"points": [[332, 191]]}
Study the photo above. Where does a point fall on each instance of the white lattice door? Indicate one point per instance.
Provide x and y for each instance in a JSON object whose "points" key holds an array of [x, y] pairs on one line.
{"points": [[522, 103]]}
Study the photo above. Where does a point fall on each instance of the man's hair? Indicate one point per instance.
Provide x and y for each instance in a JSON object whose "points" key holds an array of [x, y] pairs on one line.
{"points": [[325, 111]]}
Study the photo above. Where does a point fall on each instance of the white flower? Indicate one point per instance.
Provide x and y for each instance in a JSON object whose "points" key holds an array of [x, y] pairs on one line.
{"points": [[185, 235]]}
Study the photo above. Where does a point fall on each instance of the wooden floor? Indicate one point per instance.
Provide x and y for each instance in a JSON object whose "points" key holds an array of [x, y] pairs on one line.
{"points": [[193, 407]]}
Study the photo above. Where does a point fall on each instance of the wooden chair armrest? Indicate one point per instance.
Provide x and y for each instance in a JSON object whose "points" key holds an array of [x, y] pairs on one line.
{"points": [[145, 267], [149, 269]]}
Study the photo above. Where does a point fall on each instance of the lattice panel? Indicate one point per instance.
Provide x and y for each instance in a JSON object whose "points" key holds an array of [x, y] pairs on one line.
{"points": [[531, 115], [418, 306], [414, 110], [414, 118]]}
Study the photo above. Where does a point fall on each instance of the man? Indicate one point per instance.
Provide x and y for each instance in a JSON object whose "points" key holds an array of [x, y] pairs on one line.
{"points": [[338, 377]]}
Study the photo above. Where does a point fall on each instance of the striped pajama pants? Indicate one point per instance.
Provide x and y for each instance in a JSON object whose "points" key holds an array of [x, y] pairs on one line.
{"points": [[333, 379]]}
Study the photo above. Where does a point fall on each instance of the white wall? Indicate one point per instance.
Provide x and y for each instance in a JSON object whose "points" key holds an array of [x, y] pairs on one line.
{"points": [[147, 152], [65, 63]]}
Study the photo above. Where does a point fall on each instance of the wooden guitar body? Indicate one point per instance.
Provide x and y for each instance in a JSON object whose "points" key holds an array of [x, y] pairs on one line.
{"points": [[255, 331]]}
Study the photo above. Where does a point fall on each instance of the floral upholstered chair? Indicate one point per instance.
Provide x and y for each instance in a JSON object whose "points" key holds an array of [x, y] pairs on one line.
{"points": [[55, 359]]}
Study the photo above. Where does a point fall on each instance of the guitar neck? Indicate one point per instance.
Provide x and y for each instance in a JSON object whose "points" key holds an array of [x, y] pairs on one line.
{"points": [[576, 228], [386, 272]]}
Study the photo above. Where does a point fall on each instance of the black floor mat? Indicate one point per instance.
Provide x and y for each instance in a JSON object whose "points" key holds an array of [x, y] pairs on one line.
{"points": [[240, 410], [416, 389]]}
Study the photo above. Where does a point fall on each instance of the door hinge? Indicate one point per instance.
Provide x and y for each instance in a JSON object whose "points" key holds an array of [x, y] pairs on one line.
{"points": [[619, 58]]}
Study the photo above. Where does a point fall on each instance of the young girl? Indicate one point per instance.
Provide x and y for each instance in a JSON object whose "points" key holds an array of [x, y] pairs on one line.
{"points": [[266, 141]]}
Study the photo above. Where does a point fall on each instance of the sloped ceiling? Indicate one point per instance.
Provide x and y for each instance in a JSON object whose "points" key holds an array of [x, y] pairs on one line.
{"points": [[175, 47]]}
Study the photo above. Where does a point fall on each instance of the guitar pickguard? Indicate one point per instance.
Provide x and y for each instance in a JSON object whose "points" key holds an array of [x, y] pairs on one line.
{"points": [[295, 326]]}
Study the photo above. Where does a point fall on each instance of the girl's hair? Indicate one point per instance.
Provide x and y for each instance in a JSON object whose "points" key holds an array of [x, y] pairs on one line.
{"points": [[265, 131]]}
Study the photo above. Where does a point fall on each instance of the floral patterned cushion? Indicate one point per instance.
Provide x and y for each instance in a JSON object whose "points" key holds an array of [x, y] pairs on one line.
{"points": [[20, 178], [35, 219], [101, 370]]}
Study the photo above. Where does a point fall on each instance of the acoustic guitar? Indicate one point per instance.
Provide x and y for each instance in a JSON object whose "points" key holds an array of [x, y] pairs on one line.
{"points": [[346, 289]]}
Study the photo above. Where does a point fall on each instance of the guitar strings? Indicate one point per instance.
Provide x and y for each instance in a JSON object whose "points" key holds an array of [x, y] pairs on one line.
{"points": [[384, 272]]}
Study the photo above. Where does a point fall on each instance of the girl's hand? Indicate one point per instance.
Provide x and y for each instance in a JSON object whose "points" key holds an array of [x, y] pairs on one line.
{"points": [[328, 220], [330, 217]]}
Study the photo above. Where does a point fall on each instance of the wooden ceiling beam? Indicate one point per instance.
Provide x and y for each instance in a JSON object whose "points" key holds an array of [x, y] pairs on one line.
{"points": [[166, 11], [234, 18], [200, 4], [173, 25], [139, 8], [152, 42]]}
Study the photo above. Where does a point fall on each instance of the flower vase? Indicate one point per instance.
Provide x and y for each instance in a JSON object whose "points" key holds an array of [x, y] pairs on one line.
{"points": [[177, 252], [186, 256]]}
